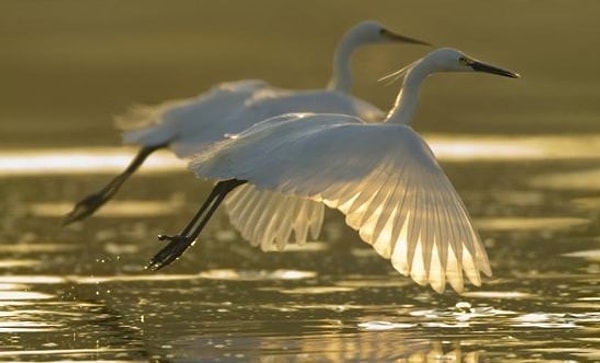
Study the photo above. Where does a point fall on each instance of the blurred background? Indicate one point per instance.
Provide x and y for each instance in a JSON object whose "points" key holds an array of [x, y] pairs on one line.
{"points": [[69, 66], [523, 154]]}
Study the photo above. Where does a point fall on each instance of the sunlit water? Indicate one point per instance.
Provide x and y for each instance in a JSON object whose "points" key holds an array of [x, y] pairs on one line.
{"points": [[32, 162], [82, 294]]}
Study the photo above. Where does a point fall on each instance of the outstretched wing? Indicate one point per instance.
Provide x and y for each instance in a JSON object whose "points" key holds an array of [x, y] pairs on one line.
{"points": [[269, 219], [383, 177]]}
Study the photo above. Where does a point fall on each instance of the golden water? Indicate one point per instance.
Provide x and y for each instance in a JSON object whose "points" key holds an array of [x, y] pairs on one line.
{"points": [[523, 154]]}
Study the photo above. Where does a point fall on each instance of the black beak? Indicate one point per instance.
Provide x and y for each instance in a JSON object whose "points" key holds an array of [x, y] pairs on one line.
{"points": [[482, 67], [401, 38]]}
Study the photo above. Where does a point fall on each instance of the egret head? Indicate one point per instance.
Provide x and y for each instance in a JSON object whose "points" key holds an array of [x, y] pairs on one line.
{"points": [[452, 60], [371, 32]]}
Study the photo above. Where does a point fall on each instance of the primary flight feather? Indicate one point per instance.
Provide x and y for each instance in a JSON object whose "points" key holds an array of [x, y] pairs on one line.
{"points": [[382, 176]]}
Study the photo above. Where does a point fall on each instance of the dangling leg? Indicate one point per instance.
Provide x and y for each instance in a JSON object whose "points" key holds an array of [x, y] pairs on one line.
{"points": [[88, 205], [182, 241]]}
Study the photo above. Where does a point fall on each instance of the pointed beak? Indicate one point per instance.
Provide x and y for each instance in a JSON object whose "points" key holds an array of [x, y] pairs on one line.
{"points": [[487, 68], [401, 38]]}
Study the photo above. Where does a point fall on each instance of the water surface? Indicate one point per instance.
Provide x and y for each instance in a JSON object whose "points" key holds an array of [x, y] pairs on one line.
{"points": [[523, 154], [81, 293]]}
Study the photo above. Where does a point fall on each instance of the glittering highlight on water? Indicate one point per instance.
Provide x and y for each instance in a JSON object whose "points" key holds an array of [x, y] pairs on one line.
{"points": [[446, 147]]}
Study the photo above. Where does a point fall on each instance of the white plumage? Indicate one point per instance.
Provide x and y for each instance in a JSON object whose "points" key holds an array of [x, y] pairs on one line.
{"points": [[383, 177], [270, 219], [187, 126], [181, 123]]}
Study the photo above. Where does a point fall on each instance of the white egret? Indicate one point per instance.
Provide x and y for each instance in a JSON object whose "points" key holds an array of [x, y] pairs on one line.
{"points": [[382, 176], [185, 126]]}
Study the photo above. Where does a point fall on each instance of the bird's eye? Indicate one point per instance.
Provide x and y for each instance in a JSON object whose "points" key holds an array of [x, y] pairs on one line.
{"points": [[464, 61]]}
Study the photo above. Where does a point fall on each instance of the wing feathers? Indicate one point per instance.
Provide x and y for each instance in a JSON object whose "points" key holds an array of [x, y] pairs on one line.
{"points": [[316, 219], [382, 231], [301, 224], [268, 219], [382, 176], [427, 235]]}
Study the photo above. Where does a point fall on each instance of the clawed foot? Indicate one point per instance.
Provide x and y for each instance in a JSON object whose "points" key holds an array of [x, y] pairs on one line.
{"points": [[177, 245], [84, 208]]}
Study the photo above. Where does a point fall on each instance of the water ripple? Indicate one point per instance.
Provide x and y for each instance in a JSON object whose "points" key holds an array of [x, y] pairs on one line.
{"points": [[546, 321], [316, 290], [384, 325], [256, 275], [481, 294], [591, 255], [115, 209], [528, 223], [462, 312], [36, 162]]}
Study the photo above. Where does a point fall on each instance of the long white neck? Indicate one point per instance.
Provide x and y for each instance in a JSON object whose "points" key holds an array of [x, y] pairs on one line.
{"points": [[406, 102], [341, 79]]}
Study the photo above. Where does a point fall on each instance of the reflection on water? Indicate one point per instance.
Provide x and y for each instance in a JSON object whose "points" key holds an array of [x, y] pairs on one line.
{"points": [[114, 209], [372, 346], [18, 263], [592, 255], [492, 147], [568, 180], [454, 148], [7, 296], [482, 294], [80, 160], [36, 325], [82, 293], [528, 223], [31, 248], [587, 203], [249, 275]]}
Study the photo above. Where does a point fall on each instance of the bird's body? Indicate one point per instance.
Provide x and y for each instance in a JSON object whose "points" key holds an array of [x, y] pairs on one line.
{"points": [[180, 123], [382, 176], [237, 107], [187, 126]]}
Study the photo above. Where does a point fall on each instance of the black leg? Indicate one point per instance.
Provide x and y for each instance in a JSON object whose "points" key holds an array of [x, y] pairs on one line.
{"points": [[214, 193], [88, 205], [182, 241]]}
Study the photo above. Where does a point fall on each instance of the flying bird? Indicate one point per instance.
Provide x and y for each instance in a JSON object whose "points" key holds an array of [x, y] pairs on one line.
{"points": [[186, 126], [382, 176]]}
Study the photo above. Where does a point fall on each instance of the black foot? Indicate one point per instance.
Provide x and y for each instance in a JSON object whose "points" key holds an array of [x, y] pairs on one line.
{"points": [[177, 245], [84, 208]]}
